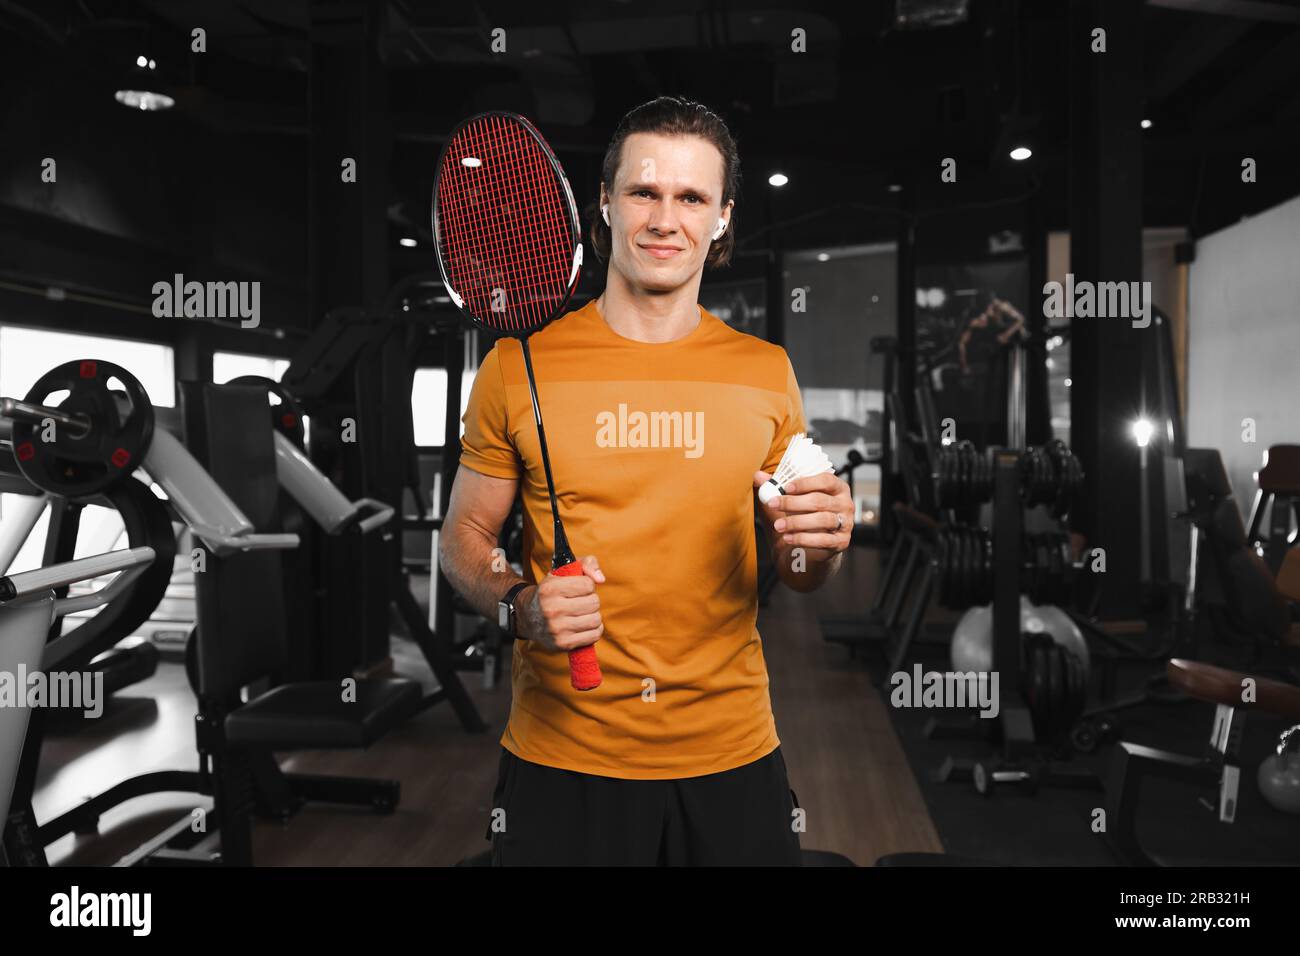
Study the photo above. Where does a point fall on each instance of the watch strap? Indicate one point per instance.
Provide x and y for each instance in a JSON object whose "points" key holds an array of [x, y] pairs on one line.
{"points": [[509, 600]]}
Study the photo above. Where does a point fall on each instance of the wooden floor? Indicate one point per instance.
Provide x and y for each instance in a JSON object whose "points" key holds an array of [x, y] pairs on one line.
{"points": [[844, 759]]}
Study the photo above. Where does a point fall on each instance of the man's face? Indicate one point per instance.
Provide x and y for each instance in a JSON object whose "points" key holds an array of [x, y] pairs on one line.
{"points": [[664, 207]]}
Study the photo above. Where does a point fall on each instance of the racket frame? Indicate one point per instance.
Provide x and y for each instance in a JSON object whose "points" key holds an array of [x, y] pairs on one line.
{"points": [[583, 666]]}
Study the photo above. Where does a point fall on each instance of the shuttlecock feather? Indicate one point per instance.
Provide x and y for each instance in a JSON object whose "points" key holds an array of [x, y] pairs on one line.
{"points": [[802, 459]]}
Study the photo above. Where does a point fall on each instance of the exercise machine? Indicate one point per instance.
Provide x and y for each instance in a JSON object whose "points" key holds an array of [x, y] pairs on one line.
{"points": [[1278, 499], [357, 366], [240, 641], [28, 606]]}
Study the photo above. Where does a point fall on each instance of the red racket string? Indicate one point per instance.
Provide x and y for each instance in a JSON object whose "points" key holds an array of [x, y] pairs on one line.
{"points": [[505, 211], [548, 240]]}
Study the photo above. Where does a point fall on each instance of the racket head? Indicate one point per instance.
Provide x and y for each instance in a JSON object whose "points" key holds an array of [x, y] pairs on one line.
{"points": [[505, 226]]}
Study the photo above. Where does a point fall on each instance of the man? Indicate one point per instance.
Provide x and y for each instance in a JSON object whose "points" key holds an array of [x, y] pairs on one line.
{"points": [[662, 422]]}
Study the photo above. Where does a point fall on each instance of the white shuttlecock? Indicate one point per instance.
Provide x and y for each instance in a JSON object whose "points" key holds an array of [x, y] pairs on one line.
{"points": [[802, 459]]}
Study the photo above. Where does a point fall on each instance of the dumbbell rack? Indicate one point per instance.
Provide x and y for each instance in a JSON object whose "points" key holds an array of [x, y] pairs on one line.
{"points": [[1013, 729], [1017, 728]]}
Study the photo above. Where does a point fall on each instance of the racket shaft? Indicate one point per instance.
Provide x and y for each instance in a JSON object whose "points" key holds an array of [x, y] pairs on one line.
{"points": [[584, 666]]}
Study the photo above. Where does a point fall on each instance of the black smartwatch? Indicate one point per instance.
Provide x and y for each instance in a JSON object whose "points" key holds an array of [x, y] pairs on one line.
{"points": [[506, 619]]}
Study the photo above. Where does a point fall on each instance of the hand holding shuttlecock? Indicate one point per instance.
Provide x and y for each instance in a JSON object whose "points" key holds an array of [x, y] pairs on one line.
{"points": [[802, 459], [808, 507]]}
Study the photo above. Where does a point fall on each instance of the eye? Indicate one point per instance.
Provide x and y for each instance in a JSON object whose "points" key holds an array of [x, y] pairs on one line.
{"points": [[693, 199], [642, 192]]}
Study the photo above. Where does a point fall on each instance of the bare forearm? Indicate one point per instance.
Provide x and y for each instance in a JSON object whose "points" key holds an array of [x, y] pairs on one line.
{"points": [[798, 569], [477, 569]]}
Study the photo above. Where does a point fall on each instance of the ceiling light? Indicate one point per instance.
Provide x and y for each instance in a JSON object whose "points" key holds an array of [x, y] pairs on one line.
{"points": [[144, 100]]}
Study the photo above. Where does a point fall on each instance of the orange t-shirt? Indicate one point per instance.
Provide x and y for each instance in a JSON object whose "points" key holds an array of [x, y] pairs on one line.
{"points": [[653, 448]]}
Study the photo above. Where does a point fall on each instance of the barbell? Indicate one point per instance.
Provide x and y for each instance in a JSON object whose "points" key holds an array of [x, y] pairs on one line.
{"points": [[98, 433]]}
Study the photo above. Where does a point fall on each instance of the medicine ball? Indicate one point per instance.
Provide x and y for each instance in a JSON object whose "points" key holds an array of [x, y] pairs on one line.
{"points": [[972, 640]]}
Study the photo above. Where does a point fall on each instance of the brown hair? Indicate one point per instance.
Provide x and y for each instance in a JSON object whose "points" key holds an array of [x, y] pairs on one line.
{"points": [[673, 116]]}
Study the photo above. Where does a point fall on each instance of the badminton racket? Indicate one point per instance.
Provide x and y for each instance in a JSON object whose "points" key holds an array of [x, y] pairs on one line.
{"points": [[510, 251]]}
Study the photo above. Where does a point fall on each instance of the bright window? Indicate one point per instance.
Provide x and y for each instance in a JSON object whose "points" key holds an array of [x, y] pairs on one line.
{"points": [[228, 365], [27, 354], [429, 404]]}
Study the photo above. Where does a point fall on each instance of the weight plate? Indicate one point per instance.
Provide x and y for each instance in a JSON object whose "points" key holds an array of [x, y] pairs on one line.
{"points": [[1056, 689], [1083, 737], [1027, 475], [286, 413], [1033, 678], [121, 421]]}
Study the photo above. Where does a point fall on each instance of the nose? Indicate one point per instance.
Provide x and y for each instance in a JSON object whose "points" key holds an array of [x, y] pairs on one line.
{"points": [[663, 217]]}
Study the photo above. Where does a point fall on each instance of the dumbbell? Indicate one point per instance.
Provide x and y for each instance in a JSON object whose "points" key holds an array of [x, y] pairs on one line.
{"points": [[1029, 778], [1050, 475], [95, 436], [963, 475], [964, 561], [991, 776], [1089, 733]]}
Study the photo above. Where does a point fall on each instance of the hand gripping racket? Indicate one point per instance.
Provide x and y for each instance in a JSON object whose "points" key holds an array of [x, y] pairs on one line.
{"points": [[510, 251]]}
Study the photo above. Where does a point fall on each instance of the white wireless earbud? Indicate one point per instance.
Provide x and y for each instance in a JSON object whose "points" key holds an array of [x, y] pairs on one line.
{"points": [[604, 211], [722, 227]]}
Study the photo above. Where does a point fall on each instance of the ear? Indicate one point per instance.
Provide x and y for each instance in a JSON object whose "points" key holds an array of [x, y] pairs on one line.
{"points": [[726, 211], [724, 222]]}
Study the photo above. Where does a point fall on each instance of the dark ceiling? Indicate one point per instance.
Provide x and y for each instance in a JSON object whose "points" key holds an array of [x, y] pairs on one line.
{"points": [[868, 105]]}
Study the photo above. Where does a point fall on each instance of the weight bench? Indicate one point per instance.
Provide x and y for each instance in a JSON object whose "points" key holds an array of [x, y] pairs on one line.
{"points": [[241, 641], [1133, 763]]}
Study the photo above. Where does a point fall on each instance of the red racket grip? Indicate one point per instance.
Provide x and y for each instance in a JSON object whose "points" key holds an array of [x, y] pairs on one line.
{"points": [[584, 667]]}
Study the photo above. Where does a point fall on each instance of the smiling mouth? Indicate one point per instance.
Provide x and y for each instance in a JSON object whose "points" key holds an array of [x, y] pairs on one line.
{"points": [[661, 252]]}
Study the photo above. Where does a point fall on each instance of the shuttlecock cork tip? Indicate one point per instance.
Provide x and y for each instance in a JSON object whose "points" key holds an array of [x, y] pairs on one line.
{"points": [[768, 490]]}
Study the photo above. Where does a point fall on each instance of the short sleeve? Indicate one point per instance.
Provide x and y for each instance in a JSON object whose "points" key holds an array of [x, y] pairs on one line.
{"points": [[486, 446], [793, 423]]}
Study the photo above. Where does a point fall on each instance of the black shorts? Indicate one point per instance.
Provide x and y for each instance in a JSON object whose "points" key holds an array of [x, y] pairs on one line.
{"points": [[543, 816]]}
